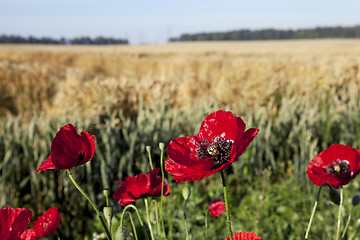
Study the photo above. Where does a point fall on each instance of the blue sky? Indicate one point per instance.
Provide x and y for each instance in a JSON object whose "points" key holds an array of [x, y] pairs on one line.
{"points": [[155, 21]]}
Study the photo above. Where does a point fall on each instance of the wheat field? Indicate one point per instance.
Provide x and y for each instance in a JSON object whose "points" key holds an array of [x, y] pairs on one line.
{"points": [[82, 80], [303, 95]]}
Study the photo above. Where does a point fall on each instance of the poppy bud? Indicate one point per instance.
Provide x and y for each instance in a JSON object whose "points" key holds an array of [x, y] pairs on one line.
{"points": [[108, 213], [121, 233], [355, 199], [161, 146], [148, 148], [334, 195], [186, 192]]}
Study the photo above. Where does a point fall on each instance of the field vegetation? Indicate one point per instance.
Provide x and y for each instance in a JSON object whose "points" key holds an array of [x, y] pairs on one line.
{"points": [[303, 96]]}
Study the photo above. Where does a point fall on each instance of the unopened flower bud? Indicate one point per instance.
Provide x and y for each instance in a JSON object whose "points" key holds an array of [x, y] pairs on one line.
{"points": [[148, 148], [121, 233], [334, 195], [161, 146], [108, 213], [186, 192], [355, 199]]}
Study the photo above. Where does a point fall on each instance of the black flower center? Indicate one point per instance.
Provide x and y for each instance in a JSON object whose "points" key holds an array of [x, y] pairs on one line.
{"points": [[218, 149], [338, 167]]}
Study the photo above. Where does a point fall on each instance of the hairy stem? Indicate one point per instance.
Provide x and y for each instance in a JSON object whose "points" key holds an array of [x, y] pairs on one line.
{"points": [[226, 205], [92, 204]]}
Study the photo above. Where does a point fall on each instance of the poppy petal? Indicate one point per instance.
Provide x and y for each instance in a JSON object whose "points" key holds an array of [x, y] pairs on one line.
{"points": [[66, 148], [216, 207], [319, 166], [29, 234], [221, 124], [45, 165], [18, 220], [244, 236], [140, 186], [47, 223], [88, 144]]}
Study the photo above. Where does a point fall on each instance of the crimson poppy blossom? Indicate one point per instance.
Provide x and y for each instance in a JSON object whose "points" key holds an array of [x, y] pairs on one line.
{"points": [[244, 236], [69, 149], [141, 186], [221, 140], [13, 222], [44, 225], [216, 207], [337, 165]]}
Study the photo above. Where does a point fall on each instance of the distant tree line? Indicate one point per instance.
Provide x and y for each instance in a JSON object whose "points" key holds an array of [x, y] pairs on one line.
{"points": [[271, 34], [48, 40]]}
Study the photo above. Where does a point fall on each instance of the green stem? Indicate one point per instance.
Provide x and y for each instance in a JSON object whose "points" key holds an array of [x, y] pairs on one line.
{"points": [[206, 223], [314, 208], [148, 218], [226, 205], [157, 216], [347, 223], [137, 212], [186, 230], [161, 146], [92, 204], [339, 214], [133, 226], [186, 226], [311, 219]]}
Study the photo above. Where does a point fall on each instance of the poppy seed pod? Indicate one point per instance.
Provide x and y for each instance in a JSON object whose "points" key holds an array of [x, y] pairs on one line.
{"points": [[355, 199], [107, 192]]}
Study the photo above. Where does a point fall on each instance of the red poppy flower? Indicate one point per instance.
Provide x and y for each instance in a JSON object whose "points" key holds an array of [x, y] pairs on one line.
{"points": [[13, 222], [221, 140], [143, 185], [216, 207], [45, 225], [337, 165], [69, 149], [244, 236]]}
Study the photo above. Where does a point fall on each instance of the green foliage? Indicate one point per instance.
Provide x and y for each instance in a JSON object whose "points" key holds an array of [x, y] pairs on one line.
{"points": [[271, 34], [47, 40]]}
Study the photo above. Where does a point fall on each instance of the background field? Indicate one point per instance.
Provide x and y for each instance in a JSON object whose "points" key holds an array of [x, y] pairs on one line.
{"points": [[302, 95]]}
